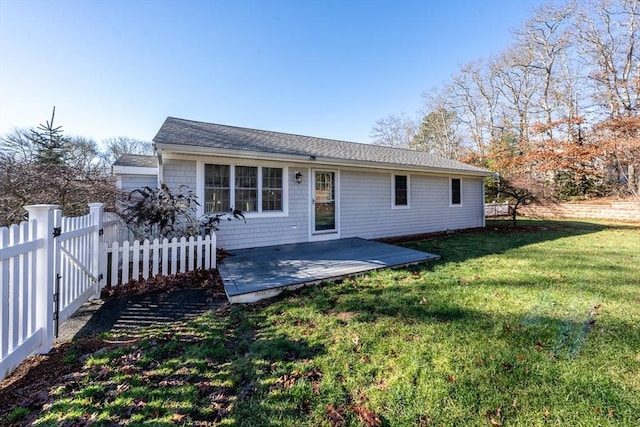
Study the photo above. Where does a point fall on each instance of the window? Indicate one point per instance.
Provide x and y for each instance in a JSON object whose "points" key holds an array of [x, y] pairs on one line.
{"points": [[246, 188], [400, 191], [255, 189], [271, 189], [456, 191], [216, 188]]}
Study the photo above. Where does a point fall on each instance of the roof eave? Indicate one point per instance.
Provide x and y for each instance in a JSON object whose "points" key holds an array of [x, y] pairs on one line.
{"points": [[181, 149], [134, 170]]}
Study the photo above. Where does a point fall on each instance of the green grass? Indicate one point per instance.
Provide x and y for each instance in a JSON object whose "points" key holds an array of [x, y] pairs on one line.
{"points": [[533, 326]]}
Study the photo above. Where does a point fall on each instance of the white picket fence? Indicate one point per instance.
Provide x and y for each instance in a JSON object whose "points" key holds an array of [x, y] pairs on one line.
{"points": [[141, 260], [20, 318], [51, 264]]}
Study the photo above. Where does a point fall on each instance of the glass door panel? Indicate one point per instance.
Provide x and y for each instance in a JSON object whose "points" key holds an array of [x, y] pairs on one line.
{"points": [[324, 201]]}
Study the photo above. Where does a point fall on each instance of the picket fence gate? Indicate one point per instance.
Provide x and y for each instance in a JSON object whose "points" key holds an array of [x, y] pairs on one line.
{"points": [[50, 265]]}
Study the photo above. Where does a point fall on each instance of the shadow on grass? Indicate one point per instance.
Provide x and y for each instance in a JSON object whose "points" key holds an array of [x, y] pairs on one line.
{"points": [[191, 370], [131, 313]]}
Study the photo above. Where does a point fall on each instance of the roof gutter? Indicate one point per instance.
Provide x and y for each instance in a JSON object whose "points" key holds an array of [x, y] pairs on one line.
{"points": [[182, 150]]}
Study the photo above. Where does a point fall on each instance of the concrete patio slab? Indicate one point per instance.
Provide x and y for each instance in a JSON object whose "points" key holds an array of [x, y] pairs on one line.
{"points": [[250, 275]]}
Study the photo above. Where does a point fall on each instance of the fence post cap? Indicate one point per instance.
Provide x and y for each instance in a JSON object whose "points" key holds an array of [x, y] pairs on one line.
{"points": [[95, 205], [41, 207]]}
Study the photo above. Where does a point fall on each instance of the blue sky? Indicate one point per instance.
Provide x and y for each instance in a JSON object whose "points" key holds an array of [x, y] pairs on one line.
{"points": [[321, 68]]}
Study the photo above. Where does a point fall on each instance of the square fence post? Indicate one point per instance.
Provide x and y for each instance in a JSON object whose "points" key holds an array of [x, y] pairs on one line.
{"points": [[45, 272]]}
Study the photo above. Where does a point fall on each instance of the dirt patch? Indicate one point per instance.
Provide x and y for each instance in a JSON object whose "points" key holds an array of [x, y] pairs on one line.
{"points": [[345, 316]]}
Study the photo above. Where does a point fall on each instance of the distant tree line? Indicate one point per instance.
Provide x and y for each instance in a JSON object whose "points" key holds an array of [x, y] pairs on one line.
{"points": [[43, 165], [557, 112]]}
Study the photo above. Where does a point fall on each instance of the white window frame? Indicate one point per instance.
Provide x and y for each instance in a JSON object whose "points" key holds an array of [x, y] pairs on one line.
{"points": [[232, 187], [393, 191], [451, 204]]}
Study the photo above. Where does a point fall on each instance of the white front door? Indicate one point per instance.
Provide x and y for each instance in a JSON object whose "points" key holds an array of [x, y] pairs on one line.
{"points": [[324, 209]]}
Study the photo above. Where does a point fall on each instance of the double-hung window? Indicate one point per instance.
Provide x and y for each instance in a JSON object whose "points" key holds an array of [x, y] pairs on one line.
{"points": [[217, 189], [271, 189], [455, 191], [247, 188], [400, 191]]}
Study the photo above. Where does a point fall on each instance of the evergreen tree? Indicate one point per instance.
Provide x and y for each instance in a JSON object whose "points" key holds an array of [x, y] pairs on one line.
{"points": [[50, 143]]}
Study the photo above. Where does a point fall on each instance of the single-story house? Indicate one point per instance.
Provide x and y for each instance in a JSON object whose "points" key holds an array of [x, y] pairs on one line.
{"points": [[295, 188], [134, 171]]}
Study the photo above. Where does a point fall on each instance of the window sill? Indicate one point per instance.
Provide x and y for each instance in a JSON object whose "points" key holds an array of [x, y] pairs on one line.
{"points": [[279, 214]]}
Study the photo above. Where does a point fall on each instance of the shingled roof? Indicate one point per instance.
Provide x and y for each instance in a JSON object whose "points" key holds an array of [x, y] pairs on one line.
{"points": [[188, 133], [137, 160]]}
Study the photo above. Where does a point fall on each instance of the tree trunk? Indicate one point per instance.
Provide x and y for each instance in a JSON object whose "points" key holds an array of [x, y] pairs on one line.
{"points": [[514, 213]]}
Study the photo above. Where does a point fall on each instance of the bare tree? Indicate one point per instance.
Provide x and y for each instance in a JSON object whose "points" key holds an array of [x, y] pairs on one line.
{"points": [[438, 131], [609, 47], [518, 86], [545, 39], [117, 146], [394, 131], [561, 102]]}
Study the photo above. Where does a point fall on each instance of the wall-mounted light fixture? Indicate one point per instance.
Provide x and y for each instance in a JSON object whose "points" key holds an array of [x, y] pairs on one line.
{"points": [[298, 177]]}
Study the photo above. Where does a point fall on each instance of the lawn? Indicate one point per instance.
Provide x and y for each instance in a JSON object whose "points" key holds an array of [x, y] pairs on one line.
{"points": [[537, 325]]}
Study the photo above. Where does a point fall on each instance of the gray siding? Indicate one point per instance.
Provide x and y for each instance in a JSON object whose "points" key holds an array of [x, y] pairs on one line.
{"points": [[133, 182], [366, 205], [260, 229], [265, 231], [179, 172]]}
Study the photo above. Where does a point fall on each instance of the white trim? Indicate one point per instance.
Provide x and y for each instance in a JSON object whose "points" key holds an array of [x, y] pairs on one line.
{"points": [[317, 236], [160, 166], [134, 170], [393, 191], [200, 188], [456, 205]]}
